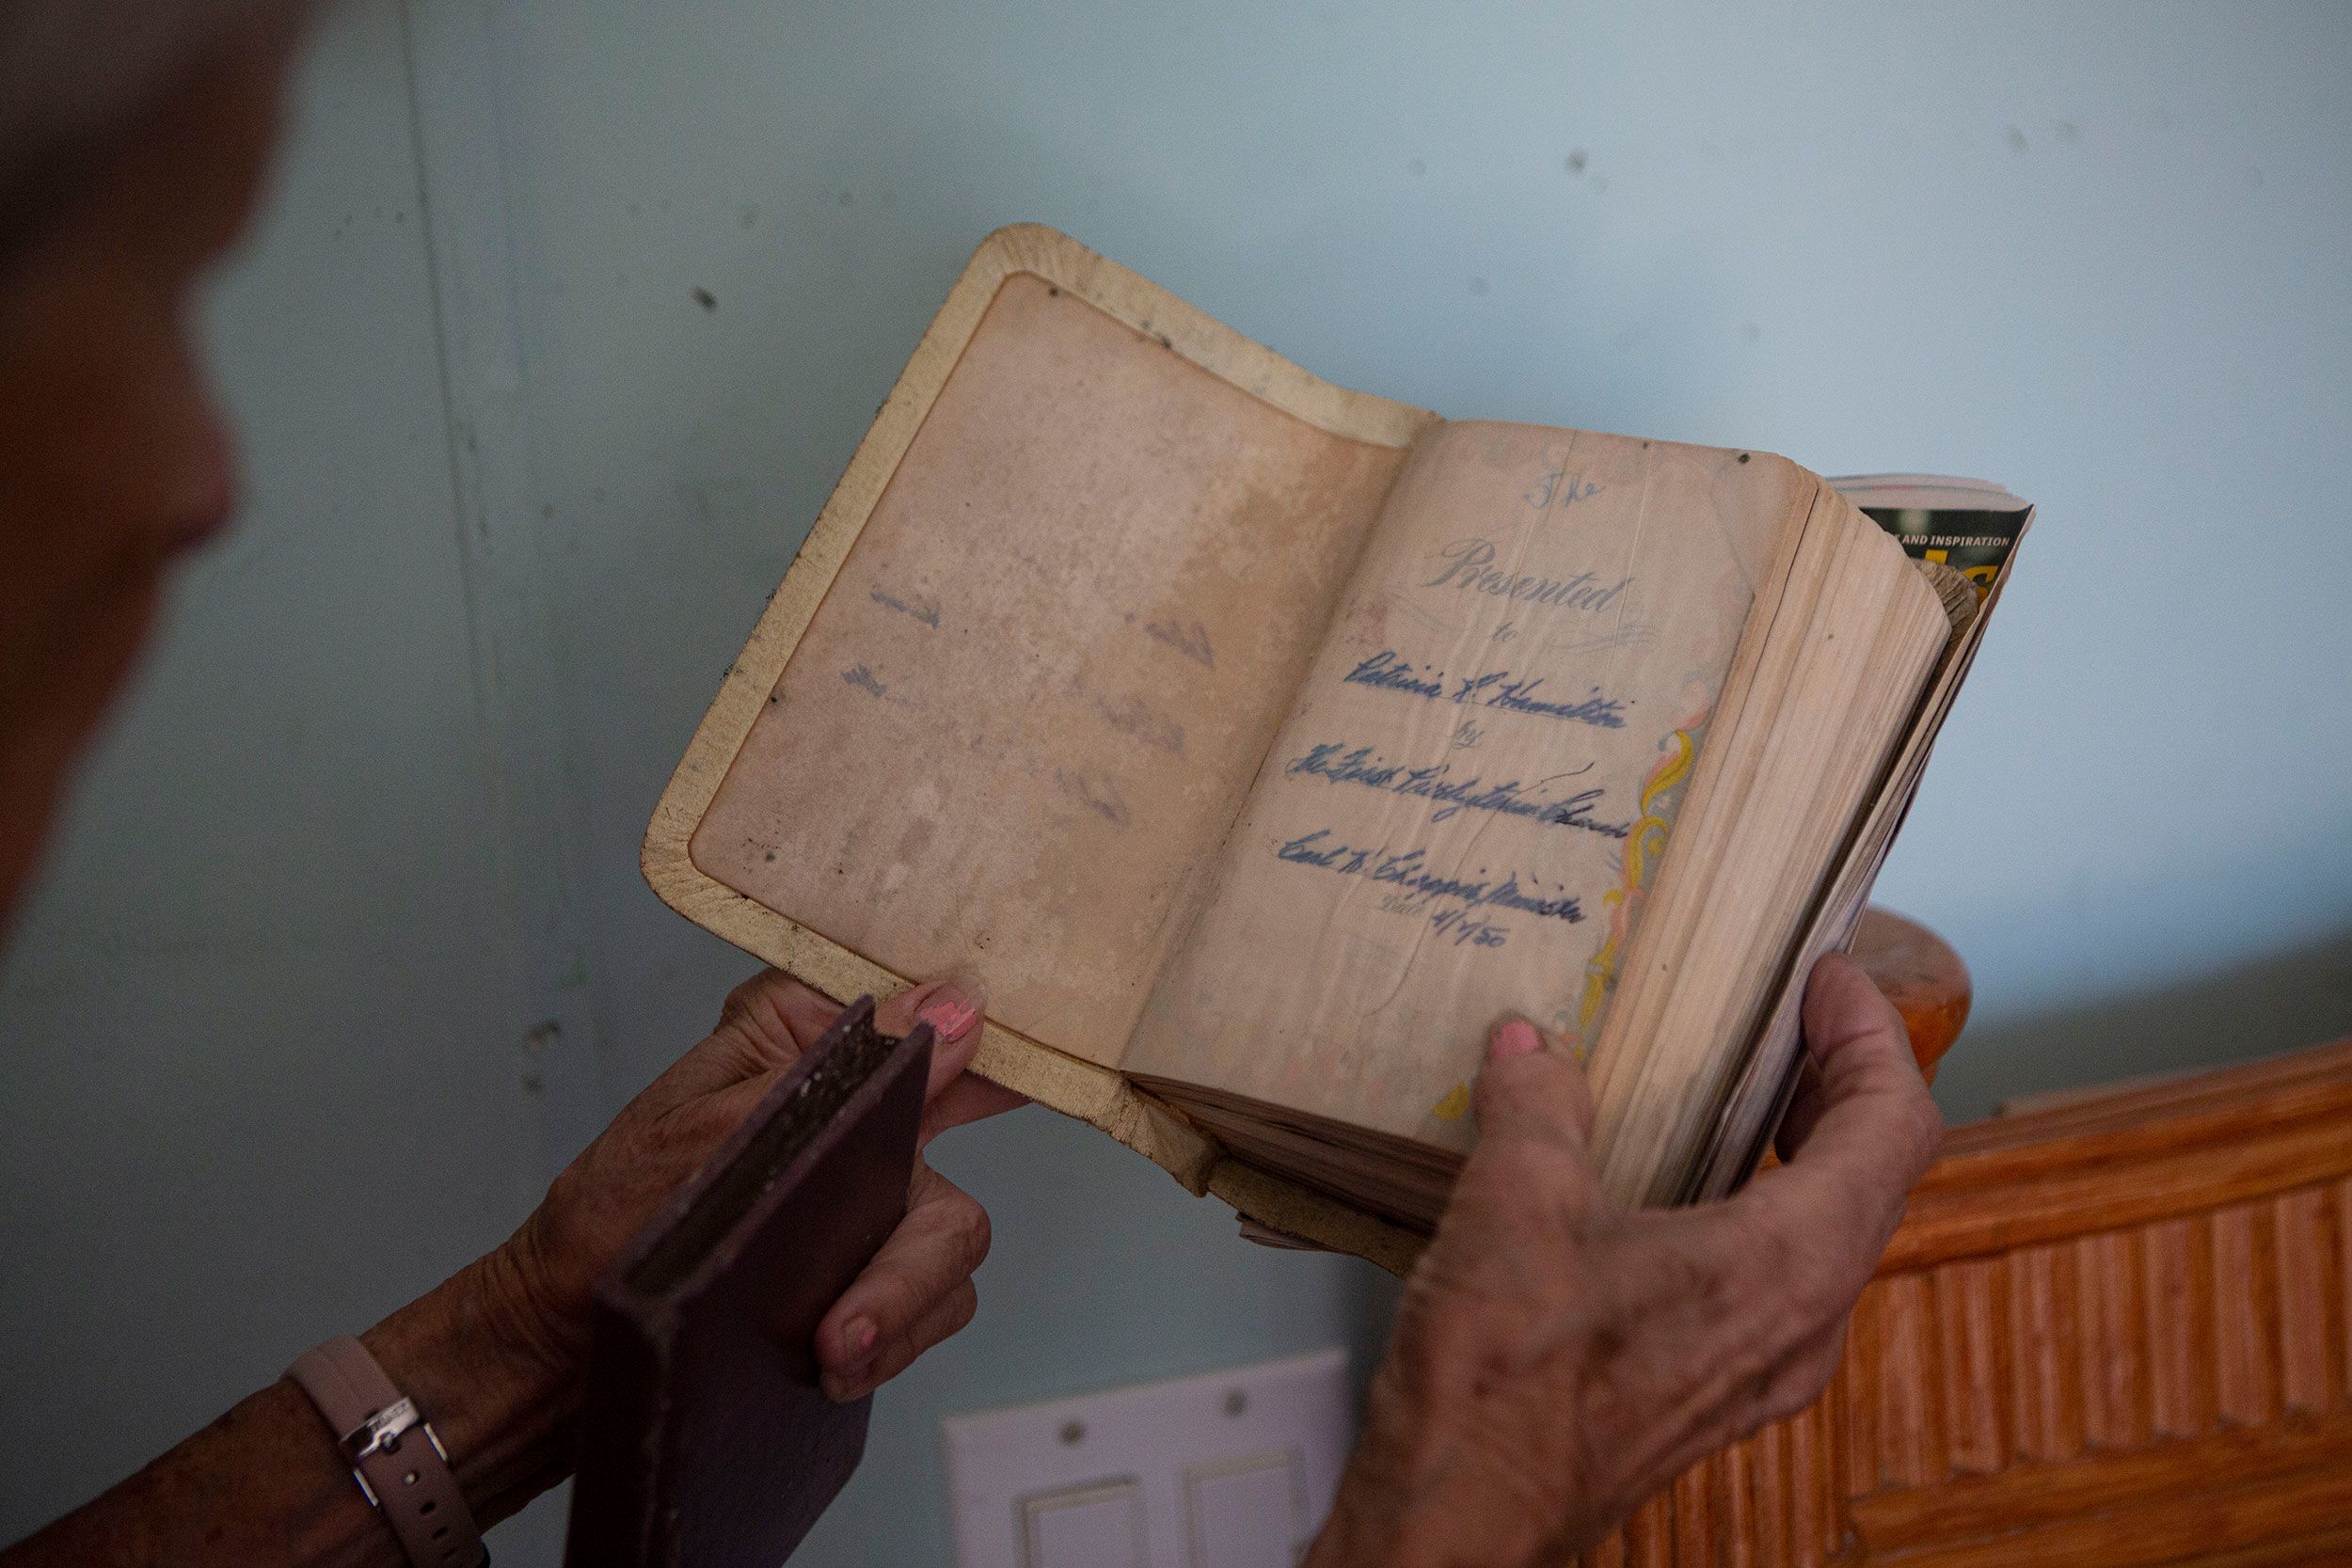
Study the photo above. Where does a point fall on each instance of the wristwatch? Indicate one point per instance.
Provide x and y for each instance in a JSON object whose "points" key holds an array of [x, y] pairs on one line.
{"points": [[399, 1462]]}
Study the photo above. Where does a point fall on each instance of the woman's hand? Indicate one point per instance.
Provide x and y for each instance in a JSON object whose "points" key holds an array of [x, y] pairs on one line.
{"points": [[918, 1288], [1557, 1360], [495, 1356]]}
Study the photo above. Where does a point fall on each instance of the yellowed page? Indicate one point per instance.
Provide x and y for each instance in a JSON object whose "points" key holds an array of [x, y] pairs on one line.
{"points": [[1460, 815], [1032, 700], [1816, 707]]}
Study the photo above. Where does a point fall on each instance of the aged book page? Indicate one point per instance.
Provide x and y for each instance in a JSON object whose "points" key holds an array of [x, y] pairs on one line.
{"points": [[1815, 712], [1757, 1101], [1460, 815], [1031, 703]]}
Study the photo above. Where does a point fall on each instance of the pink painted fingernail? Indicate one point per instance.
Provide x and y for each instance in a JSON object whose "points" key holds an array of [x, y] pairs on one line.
{"points": [[949, 1013], [858, 1334], [1517, 1037]]}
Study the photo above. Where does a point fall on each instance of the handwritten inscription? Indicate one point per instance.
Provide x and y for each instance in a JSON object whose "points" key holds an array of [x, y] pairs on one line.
{"points": [[927, 614], [862, 678], [1192, 639], [1409, 874], [1469, 569], [1338, 762], [1392, 672], [1562, 489], [1455, 907], [1389, 672], [1469, 929]]}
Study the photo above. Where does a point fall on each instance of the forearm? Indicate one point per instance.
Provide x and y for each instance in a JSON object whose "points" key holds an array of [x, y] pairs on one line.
{"points": [[495, 1358], [267, 1484], [1416, 1496]]}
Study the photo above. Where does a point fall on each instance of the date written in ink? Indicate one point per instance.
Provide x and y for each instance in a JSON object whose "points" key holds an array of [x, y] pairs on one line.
{"points": [[1457, 924]]}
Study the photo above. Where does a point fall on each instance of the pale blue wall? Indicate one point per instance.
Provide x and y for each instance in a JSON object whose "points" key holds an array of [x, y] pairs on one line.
{"points": [[373, 824]]}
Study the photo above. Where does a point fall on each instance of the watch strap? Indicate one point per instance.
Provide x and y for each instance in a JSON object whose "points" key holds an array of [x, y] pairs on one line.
{"points": [[393, 1453]]}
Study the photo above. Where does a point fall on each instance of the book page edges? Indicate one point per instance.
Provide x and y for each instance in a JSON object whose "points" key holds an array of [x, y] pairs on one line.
{"points": [[1283, 1205], [1771, 1068], [1707, 773], [1823, 509], [1092, 1094]]}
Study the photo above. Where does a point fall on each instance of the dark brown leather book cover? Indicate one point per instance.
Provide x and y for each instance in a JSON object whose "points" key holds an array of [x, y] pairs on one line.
{"points": [[704, 1439]]}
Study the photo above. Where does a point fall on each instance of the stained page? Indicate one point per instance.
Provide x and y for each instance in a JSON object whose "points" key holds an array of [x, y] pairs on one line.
{"points": [[1032, 700], [1462, 811]]}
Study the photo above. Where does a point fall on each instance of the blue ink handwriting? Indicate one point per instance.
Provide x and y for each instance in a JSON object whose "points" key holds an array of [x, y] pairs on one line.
{"points": [[1452, 903], [1409, 873], [1466, 927], [1560, 488], [1392, 672], [1336, 763]]}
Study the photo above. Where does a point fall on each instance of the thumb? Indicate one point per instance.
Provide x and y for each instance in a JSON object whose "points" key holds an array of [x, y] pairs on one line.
{"points": [[1531, 1087], [953, 1007]]}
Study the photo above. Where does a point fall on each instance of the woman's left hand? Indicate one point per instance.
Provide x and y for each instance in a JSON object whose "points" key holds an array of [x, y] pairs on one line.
{"points": [[918, 1288]]}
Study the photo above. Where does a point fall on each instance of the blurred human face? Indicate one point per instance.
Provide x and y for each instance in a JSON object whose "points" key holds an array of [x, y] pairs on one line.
{"points": [[114, 460]]}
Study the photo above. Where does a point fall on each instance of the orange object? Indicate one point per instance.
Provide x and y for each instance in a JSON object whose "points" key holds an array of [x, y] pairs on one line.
{"points": [[2112, 1332], [1921, 975]]}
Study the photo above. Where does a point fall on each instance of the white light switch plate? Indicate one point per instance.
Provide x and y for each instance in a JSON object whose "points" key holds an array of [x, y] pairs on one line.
{"points": [[1227, 1470]]}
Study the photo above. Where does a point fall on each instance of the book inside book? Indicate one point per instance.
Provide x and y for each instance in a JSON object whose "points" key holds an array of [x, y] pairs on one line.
{"points": [[1265, 745]]}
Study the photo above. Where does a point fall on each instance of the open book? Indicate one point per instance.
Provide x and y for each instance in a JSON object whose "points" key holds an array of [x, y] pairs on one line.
{"points": [[1260, 742]]}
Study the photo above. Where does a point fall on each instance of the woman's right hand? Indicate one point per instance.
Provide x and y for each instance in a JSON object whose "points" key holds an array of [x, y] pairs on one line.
{"points": [[916, 1293], [1558, 1360]]}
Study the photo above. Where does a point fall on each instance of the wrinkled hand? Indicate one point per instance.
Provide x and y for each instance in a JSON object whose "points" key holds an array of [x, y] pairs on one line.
{"points": [[1558, 1360], [918, 1288]]}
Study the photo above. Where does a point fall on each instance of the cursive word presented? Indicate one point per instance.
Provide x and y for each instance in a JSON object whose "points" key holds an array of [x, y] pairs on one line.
{"points": [[1469, 568], [1391, 672], [1409, 874], [1338, 762]]}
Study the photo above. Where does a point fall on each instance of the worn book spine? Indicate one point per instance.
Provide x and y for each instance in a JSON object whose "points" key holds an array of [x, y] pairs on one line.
{"points": [[610, 1524], [705, 1435]]}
